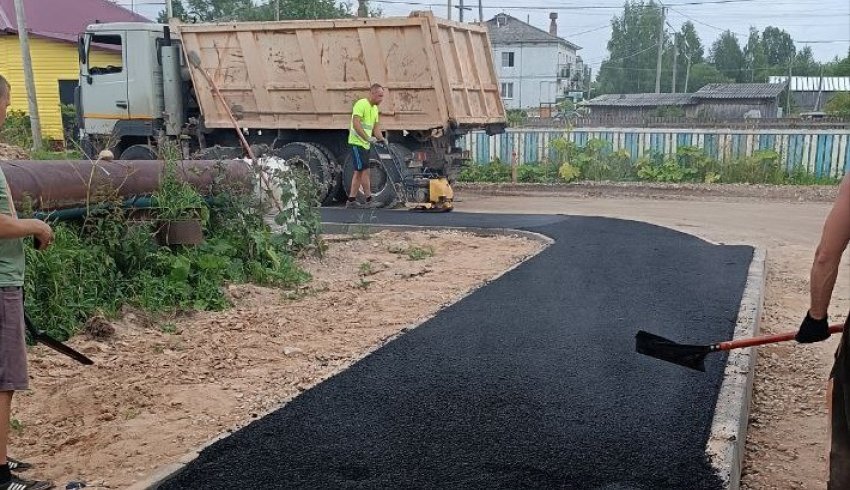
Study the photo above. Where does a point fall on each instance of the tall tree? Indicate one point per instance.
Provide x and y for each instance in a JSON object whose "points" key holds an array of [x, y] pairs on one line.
{"points": [[728, 57], [214, 10], [632, 49], [805, 64], [778, 46], [689, 46], [691, 43], [755, 59], [702, 74]]}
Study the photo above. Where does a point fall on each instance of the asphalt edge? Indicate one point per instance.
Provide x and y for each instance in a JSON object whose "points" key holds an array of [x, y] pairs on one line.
{"points": [[727, 440], [164, 473]]}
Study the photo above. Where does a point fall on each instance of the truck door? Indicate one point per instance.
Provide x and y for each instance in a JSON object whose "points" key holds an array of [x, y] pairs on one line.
{"points": [[103, 81]]}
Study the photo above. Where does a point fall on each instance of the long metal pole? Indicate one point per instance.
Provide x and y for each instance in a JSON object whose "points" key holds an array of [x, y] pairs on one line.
{"points": [[29, 79], [450, 9], [687, 75], [169, 9], [675, 65], [660, 53], [480, 13], [460, 6]]}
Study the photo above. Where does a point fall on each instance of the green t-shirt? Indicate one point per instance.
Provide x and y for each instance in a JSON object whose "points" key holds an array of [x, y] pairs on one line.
{"points": [[368, 114], [11, 249]]}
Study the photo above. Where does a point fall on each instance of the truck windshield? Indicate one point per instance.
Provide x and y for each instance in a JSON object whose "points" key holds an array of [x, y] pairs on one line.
{"points": [[105, 54]]}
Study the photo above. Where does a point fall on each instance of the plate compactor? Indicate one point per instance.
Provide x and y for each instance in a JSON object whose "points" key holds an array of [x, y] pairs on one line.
{"points": [[417, 187]]}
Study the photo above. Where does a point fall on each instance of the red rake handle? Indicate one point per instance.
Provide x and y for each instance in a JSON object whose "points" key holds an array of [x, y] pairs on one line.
{"points": [[768, 339]]}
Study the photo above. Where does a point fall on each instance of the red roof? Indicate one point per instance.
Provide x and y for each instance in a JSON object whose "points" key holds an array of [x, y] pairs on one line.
{"points": [[63, 20]]}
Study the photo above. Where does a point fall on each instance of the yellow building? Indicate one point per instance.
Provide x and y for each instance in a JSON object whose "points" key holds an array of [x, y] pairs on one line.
{"points": [[54, 27]]}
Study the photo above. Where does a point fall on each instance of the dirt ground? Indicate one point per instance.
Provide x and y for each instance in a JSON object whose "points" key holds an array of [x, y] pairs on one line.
{"points": [[9, 152], [160, 388], [787, 440]]}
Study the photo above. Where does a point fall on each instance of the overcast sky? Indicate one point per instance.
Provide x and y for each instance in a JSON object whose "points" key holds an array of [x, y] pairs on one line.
{"points": [[822, 24]]}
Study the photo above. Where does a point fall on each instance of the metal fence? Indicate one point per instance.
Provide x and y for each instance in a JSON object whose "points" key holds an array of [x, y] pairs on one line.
{"points": [[821, 152]]}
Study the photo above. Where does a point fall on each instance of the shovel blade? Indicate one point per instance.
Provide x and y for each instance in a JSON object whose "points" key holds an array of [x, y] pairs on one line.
{"points": [[689, 356]]}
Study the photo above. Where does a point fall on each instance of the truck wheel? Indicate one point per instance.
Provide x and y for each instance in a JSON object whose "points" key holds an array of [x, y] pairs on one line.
{"points": [[139, 152], [334, 178], [382, 177], [310, 158]]}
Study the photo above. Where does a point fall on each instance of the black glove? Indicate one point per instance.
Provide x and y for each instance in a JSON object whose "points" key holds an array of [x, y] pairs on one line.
{"points": [[812, 330]]}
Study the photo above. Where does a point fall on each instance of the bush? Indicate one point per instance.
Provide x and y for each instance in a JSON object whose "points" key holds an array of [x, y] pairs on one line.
{"points": [[105, 260]]}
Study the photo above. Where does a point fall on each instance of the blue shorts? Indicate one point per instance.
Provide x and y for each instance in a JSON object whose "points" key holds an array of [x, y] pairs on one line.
{"points": [[361, 158]]}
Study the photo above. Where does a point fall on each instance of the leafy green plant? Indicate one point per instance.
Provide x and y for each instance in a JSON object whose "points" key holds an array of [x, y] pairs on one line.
{"points": [[109, 259], [169, 328]]}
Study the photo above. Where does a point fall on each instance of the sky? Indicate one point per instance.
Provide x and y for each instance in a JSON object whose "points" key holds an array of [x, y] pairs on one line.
{"points": [[824, 25]]}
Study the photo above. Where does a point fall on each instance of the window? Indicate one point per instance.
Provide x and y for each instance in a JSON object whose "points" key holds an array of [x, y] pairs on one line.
{"points": [[508, 59], [66, 91], [507, 90], [105, 55]]}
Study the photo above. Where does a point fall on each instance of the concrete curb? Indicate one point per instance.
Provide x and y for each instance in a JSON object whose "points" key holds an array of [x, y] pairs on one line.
{"points": [[170, 470], [726, 443]]}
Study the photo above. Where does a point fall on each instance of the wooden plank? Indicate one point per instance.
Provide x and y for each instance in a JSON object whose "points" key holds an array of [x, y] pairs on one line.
{"points": [[478, 74], [462, 66], [255, 67], [434, 48], [316, 78]]}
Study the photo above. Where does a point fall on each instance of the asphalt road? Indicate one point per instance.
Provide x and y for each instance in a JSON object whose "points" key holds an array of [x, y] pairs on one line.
{"points": [[530, 382]]}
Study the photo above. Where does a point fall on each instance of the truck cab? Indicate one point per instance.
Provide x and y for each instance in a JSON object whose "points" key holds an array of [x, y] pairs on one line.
{"points": [[124, 70]]}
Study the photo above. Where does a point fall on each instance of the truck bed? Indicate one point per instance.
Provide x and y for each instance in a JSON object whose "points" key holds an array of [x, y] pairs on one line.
{"points": [[307, 74]]}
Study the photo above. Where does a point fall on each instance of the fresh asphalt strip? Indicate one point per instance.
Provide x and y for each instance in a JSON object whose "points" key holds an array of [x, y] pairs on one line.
{"points": [[531, 381]]}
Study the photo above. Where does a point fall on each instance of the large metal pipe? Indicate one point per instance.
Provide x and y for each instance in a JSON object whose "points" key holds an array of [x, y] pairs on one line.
{"points": [[62, 184]]}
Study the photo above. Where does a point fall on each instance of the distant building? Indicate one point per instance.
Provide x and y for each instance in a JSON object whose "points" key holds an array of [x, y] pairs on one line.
{"points": [[535, 67], [739, 100], [813, 93], [613, 106], [54, 27], [713, 101]]}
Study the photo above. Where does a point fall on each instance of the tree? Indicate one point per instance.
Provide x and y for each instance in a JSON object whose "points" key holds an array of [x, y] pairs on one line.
{"points": [[839, 105], [215, 10], [702, 74], [778, 46], [691, 43], [727, 56], [632, 49], [805, 64], [755, 59]]}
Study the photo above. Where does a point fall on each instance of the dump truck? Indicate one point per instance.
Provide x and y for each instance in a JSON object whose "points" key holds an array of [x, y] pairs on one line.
{"points": [[289, 88]]}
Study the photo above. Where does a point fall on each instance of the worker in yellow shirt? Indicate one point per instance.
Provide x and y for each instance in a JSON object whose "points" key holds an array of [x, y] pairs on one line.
{"points": [[364, 131]]}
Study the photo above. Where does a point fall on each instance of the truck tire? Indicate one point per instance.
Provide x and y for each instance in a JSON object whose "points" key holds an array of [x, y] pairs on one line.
{"points": [[382, 178], [139, 152], [334, 179], [312, 159]]}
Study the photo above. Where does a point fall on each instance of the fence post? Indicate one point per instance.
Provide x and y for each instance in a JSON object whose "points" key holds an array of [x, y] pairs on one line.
{"points": [[513, 167]]}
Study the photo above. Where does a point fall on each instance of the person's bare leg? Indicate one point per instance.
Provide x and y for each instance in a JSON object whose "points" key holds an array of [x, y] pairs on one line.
{"points": [[355, 185], [5, 417], [366, 180]]}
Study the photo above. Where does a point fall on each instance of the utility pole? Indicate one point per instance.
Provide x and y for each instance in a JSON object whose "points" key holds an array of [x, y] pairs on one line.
{"points": [[788, 98], [276, 9], [480, 13], [461, 9], [169, 9], [29, 80], [675, 63], [660, 52], [820, 90], [362, 11], [450, 9], [687, 74]]}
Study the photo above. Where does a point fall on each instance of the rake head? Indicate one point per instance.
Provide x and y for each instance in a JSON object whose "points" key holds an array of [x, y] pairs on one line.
{"points": [[690, 356]]}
